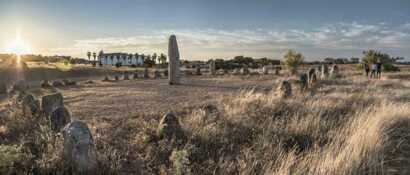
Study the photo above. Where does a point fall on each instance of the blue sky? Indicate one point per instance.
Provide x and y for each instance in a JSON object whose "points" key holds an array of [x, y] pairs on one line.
{"points": [[210, 28]]}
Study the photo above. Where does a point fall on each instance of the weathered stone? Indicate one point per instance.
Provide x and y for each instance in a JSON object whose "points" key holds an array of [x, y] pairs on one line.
{"points": [[265, 70], [173, 54], [126, 76], [284, 90], [51, 102], [106, 78], [209, 113], [277, 71], [30, 104], [236, 72], [146, 73], [89, 82], [59, 118], [212, 67], [334, 70], [45, 84], [303, 81], [166, 72], [21, 86], [68, 82], [157, 74], [254, 73], [78, 148], [3, 88], [135, 76], [169, 127], [198, 70], [325, 71], [58, 83], [245, 71], [312, 76]]}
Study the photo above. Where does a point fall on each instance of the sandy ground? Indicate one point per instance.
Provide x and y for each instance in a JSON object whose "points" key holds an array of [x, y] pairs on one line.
{"points": [[110, 100]]}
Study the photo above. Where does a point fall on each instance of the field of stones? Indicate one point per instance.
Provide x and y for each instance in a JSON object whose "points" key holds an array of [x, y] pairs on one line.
{"points": [[225, 122]]}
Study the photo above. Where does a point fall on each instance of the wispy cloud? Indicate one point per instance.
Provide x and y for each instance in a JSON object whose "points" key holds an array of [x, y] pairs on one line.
{"points": [[339, 38]]}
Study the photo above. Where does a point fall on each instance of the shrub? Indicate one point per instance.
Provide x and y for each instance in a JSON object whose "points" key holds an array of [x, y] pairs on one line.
{"points": [[292, 60], [118, 64], [390, 68]]}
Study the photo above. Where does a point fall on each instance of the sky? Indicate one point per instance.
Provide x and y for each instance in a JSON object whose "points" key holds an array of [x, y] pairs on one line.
{"points": [[209, 28]]}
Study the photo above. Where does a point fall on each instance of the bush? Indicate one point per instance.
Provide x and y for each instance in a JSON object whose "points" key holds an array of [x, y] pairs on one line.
{"points": [[390, 68], [292, 60], [118, 64]]}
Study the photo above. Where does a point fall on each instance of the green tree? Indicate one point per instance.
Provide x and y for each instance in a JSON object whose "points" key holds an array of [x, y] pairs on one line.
{"points": [[292, 60], [373, 56]]}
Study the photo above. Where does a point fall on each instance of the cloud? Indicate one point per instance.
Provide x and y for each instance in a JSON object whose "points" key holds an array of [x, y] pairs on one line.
{"points": [[337, 39]]}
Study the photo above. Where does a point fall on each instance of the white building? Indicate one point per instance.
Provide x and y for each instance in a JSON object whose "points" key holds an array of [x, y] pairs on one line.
{"points": [[124, 58]]}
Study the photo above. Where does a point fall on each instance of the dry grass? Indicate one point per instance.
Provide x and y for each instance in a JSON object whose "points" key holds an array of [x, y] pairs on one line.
{"points": [[341, 126]]}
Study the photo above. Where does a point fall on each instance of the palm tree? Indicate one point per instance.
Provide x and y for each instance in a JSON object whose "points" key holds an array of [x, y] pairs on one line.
{"points": [[143, 59], [94, 56], [154, 57], [88, 55], [163, 58]]}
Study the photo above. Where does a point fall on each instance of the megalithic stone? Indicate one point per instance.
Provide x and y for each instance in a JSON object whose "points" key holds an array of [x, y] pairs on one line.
{"points": [[212, 67], [173, 66]]}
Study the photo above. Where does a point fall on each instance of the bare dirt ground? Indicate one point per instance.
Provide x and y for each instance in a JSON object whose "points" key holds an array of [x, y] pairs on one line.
{"points": [[126, 98]]}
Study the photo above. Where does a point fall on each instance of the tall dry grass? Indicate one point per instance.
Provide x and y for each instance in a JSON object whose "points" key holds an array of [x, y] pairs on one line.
{"points": [[342, 126]]}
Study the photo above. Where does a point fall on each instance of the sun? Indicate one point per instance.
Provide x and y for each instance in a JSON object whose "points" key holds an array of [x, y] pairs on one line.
{"points": [[18, 47]]}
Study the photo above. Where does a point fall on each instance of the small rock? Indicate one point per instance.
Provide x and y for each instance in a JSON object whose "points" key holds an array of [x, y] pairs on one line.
{"points": [[169, 126], [30, 104], [58, 83], [106, 78], [68, 82], [45, 84], [89, 82]]}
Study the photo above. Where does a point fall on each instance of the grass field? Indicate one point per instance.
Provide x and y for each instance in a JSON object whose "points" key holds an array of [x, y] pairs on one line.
{"points": [[349, 125]]}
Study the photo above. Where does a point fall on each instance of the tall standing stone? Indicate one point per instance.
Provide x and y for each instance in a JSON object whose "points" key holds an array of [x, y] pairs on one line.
{"points": [[265, 70], [303, 80], [212, 67], [51, 102], [312, 76], [325, 72], [126, 76], [284, 90], [78, 148], [173, 55], [198, 70]]}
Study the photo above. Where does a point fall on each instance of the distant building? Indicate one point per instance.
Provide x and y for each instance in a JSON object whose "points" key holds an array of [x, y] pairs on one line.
{"points": [[124, 59]]}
